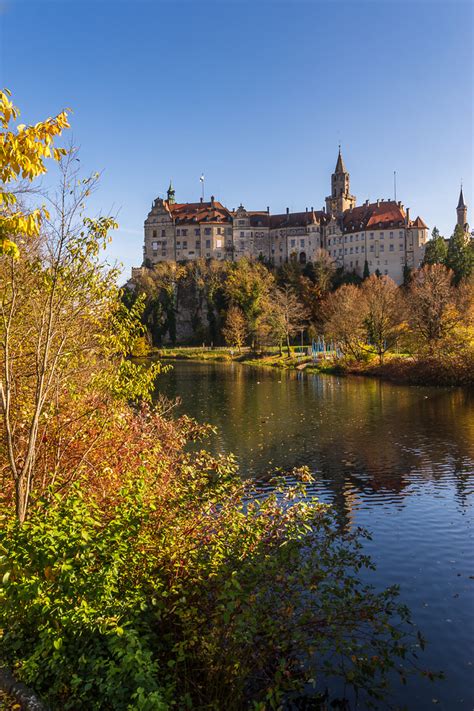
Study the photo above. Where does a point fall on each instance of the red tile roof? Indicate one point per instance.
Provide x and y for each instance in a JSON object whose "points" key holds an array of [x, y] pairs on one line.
{"points": [[198, 212], [376, 215], [419, 223]]}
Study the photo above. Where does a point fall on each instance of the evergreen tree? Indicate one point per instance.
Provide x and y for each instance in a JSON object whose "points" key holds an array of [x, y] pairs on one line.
{"points": [[436, 250], [460, 257], [366, 273], [407, 273]]}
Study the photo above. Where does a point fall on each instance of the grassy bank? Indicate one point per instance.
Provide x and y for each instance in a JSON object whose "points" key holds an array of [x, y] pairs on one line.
{"points": [[455, 370]]}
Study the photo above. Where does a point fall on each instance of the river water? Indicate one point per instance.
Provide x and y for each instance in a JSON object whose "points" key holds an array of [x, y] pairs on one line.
{"points": [[398, 460]]}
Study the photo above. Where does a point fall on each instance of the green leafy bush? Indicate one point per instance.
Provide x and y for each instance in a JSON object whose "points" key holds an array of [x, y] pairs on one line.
{"points": [[191, 591]]}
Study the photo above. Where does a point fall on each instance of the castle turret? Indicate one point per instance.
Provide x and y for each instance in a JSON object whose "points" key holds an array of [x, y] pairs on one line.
{"points": [[340, 198], [462, 211]]}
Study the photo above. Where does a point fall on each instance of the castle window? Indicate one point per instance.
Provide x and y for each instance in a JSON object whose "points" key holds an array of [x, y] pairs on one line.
{"points": [[391, 247], [382, 247], [163, 233], [242, 234], [371, 235], [302, 242], [371, 247], [154, 233], [207, 231], [197, 232], [178, 232], [391, 235], [198, 243], [154, 245], [362, 249], [208, 244], [185, 244], [184, 232], [292, 243], [385, 271], [400, 246]]}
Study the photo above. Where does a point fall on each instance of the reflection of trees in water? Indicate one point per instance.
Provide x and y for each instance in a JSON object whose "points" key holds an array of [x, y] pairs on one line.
{"points": [[360, 435]]}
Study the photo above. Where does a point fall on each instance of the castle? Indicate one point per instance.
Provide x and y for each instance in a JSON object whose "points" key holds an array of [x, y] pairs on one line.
{"points": [[379, 236]]}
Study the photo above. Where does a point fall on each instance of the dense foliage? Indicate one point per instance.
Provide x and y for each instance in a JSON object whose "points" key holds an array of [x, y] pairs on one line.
{"points": [[186, 588], [138, 571]]}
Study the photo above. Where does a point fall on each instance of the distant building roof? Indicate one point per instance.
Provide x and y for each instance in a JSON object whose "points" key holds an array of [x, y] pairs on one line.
{"points": [[212, 211], [377, 215], [298, 219]]}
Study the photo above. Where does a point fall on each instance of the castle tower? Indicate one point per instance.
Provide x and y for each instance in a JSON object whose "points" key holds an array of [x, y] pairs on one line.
{"points": [[462, 211], [171, 194], [340, 198]]}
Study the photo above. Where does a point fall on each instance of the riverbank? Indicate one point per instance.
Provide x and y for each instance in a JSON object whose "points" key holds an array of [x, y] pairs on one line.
{"points": [[455, 371]]}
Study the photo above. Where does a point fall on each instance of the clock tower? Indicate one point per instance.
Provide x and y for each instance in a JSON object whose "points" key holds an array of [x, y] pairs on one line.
{"points": [[340, 198]]}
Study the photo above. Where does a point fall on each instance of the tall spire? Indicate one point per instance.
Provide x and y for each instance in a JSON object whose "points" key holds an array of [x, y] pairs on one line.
{"points": [[340, 167], [171, 193], [461, 211], [461, 202]]}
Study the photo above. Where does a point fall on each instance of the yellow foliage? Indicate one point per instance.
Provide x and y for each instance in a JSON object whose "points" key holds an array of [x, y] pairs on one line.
{"points": [[22, 155]]}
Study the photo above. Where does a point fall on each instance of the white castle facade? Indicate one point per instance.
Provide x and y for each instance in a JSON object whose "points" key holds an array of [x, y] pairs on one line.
{"points": [[381, 234]]}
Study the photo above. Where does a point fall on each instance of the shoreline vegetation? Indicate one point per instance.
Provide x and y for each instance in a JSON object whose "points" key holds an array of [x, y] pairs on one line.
{"points": [[419, 332], [401, 369]]}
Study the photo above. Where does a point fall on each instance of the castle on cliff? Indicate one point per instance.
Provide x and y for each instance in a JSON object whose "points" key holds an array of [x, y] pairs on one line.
{"points": [[380, 236]]}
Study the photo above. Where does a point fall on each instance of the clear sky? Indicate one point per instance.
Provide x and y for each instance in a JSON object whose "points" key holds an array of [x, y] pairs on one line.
{"points": [[256, 94]]}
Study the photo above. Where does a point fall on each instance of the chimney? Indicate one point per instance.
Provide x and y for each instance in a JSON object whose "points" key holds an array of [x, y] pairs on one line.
{"points": [[268, 209], [287, 210], [200, 199], [408, 215], [306, 209], [399, 203], [378, 203], [324, 209], [212, 200]]}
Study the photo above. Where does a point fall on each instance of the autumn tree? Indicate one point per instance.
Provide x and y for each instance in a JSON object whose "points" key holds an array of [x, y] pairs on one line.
{"points": [[382, 309], [23, 152], [436, 308], [344, 320], [287, 315], [235, 328], [63, 341], [248, 286], [436, 250]]}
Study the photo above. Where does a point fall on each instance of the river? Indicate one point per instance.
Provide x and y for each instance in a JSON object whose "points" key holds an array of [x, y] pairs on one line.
{"points": [[398, 460]]}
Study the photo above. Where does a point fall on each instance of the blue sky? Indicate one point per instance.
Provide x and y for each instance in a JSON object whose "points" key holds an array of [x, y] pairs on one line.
{"points": [[255, 94]]}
